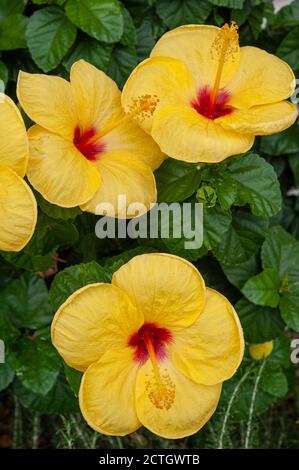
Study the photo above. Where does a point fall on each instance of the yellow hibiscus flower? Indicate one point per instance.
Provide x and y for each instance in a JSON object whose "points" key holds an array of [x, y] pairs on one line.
{"points": [[155, 346], [214, 97], [18, 209], [260, 350], [84, 150]]}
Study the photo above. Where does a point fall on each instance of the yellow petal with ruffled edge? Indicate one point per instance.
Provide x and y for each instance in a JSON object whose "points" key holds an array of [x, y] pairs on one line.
{"points": [[184, 406], [186, 135], [260, 120], [93, 320], [96, 95], [210, 350], [261, 78], [18, 211], [107, 394], [168, 290], [125, 176], [49, 102], [59, 171], [13, 137], [165, 78], [193, 45]]}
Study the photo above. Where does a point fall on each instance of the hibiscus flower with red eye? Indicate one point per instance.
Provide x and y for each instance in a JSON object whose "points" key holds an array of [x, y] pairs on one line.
{"points": [[214, 96]]}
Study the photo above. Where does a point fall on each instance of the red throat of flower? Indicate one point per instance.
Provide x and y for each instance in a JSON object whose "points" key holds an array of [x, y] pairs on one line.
{"points": [[204, 106], [84, 142], [150, 338]]}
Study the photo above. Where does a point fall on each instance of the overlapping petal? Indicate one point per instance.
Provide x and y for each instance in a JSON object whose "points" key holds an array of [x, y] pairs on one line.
{"points": [[193, 45], [18, 211], [186, 135], [261, 78], [167, 289], [261, 120], [49, 102], [210, 350], [123, 175], [193, 404], [59, 171], [93, 320], [107, 394], [13, 137], [166, 78]]}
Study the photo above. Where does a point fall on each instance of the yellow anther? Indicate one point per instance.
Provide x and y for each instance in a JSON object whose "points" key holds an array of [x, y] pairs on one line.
{"points": [[143, 107], [159, 387], [224, 49]]}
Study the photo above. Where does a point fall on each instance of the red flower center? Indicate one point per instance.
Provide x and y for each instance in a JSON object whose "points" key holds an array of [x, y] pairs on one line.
{"points": [[204, 105], [149, 336], [86, 145]]}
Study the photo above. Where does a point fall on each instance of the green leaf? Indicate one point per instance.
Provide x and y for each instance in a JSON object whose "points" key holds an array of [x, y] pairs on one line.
{"points": [[49, 35], [243, 238], [113, 263], [289, 48], [257, 184], [180, 12], [238, 275], [237, 4], [274, 381], [12, 32], [281, 353], [176, 180], [123, 60], [59, 400], [25, 300], [280, 251], [101, 20], [56, 212], [149, 29], [263, 288], [220, 179], [287, 16], [49, 2], [36, 364], [289, 307], [6, 376], [3, 76], [74, 378], [8, 332], [11, 7], [73, 278], [129, 35], [281, 143], [91, 50], [260, 324]]}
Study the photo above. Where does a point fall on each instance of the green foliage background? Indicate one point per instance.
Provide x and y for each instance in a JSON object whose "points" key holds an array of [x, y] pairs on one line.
{"points": [[251, 231]]}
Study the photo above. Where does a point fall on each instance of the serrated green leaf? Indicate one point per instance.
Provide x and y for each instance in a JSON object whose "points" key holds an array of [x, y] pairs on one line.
{"points": [[289, 306], [11, 7], [59, 400], [129, 35], [274, 381], [25, 300], [243, 238], [176, 180], [101, 20], [8, 332], [36, 364], [287, 16], [56, 212], [73, 278], [281, 143], [220, 179], [122, 62], [238, 275], [260, 324], [149, 28], [180, 12], [289, 48], [237, 4], [257, 184], [95, 52], [281, 353], [263, 288], [50, 35], [12, 32]]}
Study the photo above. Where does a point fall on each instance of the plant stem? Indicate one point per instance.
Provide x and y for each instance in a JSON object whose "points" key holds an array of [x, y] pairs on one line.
{"points": [[252, 403]]}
